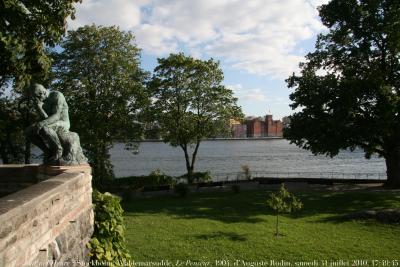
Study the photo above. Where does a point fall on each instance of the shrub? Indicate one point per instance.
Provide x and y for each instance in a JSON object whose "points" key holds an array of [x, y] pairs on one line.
{"points": [[198, 177], [283, 202], [246, 171], [155, 178], [108, 240], [181, 189]]}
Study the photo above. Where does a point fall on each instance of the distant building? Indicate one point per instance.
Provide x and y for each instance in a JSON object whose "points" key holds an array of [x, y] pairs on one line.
{"points": [[263, 127], [238, 129], [255, 127], [273, 127]]}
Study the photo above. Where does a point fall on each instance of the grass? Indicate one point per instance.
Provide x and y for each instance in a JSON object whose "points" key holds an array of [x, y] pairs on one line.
{"points": [[216, 226]]}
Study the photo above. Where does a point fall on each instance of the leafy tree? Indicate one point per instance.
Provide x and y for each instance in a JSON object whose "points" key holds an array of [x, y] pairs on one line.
{"points": [[26, 28], [355, 100], [283, 202], [11, 128], [190, 103], [98, 71]]}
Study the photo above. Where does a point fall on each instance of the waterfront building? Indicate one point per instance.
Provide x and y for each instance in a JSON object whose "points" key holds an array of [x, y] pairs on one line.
{"points": [[255, 127], [273, 127]]}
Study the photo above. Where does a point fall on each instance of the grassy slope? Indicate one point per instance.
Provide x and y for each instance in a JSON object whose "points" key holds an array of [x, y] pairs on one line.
{"points": [[229, 226]]}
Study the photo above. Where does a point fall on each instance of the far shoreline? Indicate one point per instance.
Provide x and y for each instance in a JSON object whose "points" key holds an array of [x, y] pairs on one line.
{"points": [[225, 139]]}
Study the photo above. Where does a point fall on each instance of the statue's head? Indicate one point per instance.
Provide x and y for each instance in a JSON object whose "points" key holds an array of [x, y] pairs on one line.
{"points": [[39, 92]]}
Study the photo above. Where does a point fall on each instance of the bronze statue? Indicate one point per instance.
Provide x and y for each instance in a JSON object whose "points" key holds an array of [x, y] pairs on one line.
{"points": [[51, 134]]}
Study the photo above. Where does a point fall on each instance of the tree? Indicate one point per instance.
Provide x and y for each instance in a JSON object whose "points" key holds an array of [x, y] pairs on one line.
{"points": [[190, 103], [283, 202], [26, 29], [98, 71], [355, 100], [11, 131]]}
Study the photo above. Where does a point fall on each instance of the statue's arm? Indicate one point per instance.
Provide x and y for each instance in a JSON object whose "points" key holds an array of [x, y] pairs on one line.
{"points": [[57, 107], [40, 110]]}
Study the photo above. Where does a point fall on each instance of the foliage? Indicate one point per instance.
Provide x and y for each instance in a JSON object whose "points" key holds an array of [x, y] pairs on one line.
{"points": [[26, 29], [190, 103], [12, 140], [98, 71], [198, 177], [137, 182], [348, 92], [108, 240], [181, 189], [283, 202], [246, 171]]}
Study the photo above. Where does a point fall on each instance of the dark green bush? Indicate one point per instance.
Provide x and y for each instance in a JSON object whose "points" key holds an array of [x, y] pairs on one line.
{"points": [[108, 240], [198, 177], [181, 189], [155, 178]]}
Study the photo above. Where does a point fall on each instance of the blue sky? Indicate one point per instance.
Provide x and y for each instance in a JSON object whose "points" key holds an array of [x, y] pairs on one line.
{"points": [[259, 43]]}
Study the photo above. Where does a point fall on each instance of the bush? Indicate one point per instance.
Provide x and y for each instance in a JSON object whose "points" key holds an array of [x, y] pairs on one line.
{"points": [[155, 178], [108, 240], [181, 189], [246, 172], [198, 177]]}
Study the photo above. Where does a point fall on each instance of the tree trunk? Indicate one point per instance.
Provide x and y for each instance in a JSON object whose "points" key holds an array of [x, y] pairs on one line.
{"points": [[189, 168], [393, 168], [194, 157]]}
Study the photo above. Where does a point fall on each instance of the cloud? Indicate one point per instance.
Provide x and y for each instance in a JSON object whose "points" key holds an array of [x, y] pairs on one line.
{"points": [[124, 13], [248, 95], [257, 36], [235, 87], [255, 95]]}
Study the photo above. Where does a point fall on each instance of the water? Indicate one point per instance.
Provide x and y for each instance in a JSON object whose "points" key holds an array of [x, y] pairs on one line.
{"points": [[228, 156]]}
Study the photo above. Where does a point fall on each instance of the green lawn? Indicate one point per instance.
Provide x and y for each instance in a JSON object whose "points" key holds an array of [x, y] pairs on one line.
{"points": [[216, 226]]}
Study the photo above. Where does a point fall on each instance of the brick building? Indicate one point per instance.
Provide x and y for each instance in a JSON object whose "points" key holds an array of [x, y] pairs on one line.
{"points": [[255, 127], [273, 127], [263, 127], [239, 130]]}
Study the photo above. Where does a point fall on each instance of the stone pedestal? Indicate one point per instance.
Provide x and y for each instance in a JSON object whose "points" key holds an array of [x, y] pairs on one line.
{"points": [[49, 220]]}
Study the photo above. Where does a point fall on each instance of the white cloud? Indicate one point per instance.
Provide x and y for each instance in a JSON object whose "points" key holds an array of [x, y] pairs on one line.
{"points": [[248, 95], [234, 87], [124, 13], [255, 95], [258, 36]]}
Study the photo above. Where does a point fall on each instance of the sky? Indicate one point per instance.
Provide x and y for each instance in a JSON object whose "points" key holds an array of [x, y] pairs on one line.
{"points": [[259, 43]]}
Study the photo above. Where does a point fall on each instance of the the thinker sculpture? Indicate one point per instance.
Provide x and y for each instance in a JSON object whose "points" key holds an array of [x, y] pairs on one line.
{"points": [[51, 134]]}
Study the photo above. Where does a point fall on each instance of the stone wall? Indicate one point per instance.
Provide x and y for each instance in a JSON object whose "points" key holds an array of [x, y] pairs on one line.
{"points": [[47, 222]]}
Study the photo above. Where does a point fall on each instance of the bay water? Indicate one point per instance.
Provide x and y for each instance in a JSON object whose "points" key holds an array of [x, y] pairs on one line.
{"points": [[227, 156]]}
